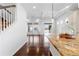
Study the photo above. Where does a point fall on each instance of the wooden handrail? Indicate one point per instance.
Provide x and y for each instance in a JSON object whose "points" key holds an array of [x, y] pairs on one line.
{"points": [[4, 7]]}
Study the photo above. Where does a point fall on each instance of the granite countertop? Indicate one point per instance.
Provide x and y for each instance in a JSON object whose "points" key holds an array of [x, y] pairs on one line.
{"points": [[66, 47]]}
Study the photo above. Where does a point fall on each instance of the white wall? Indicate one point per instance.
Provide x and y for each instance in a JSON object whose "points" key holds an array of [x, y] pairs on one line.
{"points": [[14, 37], [78, 5], [60, 13], [41, 10], [72, 26]]}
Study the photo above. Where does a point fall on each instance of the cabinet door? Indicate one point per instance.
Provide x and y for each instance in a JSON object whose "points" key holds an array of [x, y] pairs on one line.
{"points": [[54, 50]]}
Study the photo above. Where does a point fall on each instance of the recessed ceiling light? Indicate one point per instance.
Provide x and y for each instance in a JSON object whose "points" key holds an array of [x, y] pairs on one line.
{"points": [[57, 22], [34, 7]]}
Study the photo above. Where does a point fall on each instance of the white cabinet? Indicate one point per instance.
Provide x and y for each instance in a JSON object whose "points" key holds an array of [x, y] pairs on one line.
{"points": [[54, 51]]}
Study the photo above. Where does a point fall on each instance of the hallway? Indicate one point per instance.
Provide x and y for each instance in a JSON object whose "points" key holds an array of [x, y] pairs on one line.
{"points": [[33, 51], [35, 46], [39, 29]]}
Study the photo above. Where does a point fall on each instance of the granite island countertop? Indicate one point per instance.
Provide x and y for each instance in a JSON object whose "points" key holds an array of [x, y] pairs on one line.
{"points": [[66, 47]]}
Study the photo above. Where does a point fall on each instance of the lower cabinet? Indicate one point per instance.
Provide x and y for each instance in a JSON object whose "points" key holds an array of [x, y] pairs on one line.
{"points": [[53, 50]]}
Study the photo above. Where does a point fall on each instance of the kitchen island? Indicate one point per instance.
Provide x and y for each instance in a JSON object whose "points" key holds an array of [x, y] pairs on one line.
{"points": [[66, 47]]}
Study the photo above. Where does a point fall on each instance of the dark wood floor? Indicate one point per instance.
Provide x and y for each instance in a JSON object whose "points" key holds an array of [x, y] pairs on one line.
{"points": [[33, 51]]}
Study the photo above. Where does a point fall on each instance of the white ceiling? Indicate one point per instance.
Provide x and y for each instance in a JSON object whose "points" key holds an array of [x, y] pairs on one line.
{"points": [[44, 11], [41, 10], [58, 6]]}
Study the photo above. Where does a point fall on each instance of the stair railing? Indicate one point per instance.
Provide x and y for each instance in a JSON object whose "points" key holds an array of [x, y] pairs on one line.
{"points": [[6, 17]]}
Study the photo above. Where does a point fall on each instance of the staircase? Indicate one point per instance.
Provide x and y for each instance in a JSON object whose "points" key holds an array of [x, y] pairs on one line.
{"points": [[6, 16]]}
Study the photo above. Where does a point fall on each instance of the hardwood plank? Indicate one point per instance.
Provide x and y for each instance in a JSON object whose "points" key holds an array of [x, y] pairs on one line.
{"points": [[33, 51]]}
